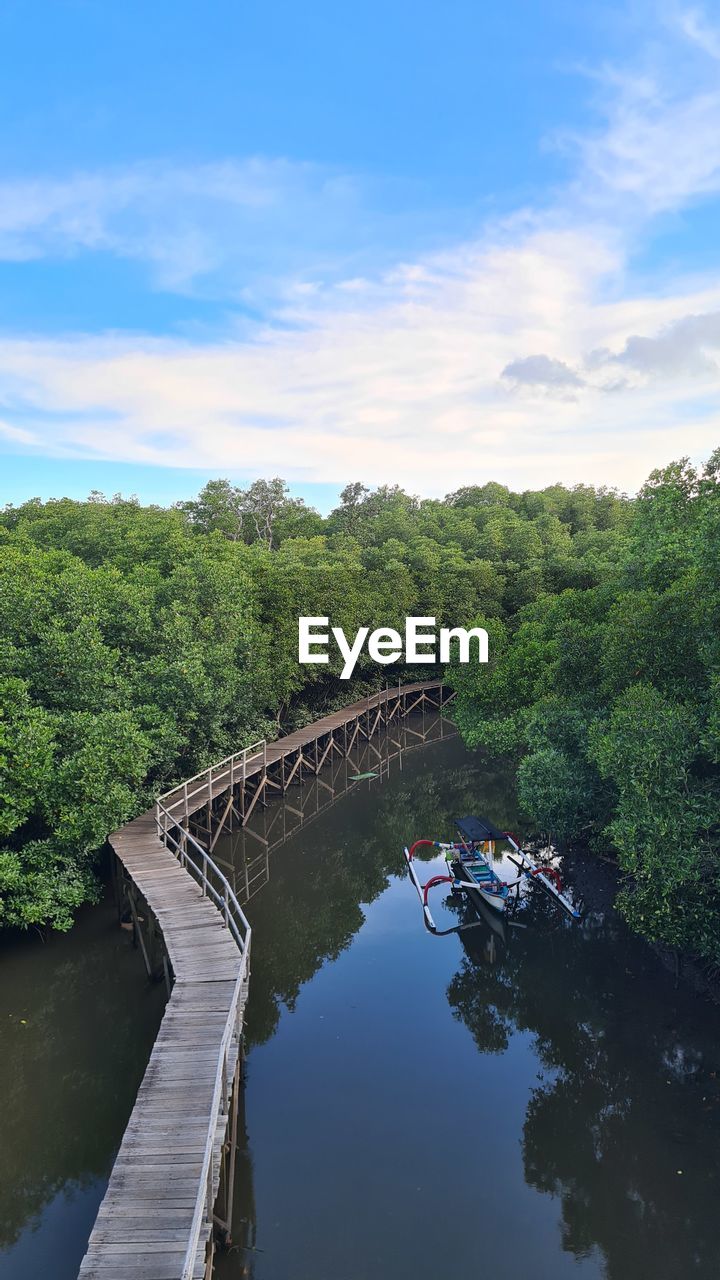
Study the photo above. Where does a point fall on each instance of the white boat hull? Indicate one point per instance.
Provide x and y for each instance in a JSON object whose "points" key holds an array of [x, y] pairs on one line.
{"points": [[493, 900], [497, 901]]}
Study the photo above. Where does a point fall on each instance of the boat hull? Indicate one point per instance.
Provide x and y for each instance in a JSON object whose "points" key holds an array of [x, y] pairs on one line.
{"points": [[494, 900], [498, 901]]}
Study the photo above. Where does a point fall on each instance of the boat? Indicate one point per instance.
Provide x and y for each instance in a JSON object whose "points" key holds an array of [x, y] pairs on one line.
{"points": [[471, 861], [470, 870]]}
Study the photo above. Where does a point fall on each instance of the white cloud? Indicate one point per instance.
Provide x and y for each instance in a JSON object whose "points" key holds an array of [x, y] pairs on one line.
{"points": [[408, 387], [222, 227], [542, 371], [16, 434], [523, 355], [695, 26], [658, 146]]}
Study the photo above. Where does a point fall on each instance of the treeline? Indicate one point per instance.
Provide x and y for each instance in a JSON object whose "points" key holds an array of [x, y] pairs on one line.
{"points": [[608, 696], [137, 644]]}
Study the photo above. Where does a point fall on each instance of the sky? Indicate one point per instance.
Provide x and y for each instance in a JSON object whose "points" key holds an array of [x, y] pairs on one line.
{"points": [[394, 242]]}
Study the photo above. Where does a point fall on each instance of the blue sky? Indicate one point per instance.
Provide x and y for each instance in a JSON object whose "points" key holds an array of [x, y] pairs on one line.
{"points": [[392, 242]]}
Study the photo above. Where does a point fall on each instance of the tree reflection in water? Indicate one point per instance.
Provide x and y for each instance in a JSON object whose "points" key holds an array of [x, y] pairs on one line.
{"points": [[77, 1023], [319, 882], [626, 1094], [623, 1126]]}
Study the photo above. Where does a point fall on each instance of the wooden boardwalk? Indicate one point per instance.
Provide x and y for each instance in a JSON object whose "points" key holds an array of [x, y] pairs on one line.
{"points": [[156, 1219], [246, 778]]}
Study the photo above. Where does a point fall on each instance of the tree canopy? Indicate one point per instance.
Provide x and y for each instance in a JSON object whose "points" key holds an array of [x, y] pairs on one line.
{"points": [[139, 643], [607, 694]]}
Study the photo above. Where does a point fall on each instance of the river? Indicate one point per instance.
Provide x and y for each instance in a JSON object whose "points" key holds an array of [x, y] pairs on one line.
{"points": [[527, 1105]]}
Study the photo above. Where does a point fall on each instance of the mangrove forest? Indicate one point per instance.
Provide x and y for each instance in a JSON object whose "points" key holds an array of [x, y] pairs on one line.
{"points": [[139, 643]]}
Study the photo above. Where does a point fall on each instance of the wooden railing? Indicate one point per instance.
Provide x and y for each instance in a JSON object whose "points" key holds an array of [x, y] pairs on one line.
{"points": [[202, 868], [215, 886], [193, 793], [205, 1201]]}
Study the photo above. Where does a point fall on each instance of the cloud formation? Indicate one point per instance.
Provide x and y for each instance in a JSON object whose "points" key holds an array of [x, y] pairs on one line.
{"points": [[542, 371], [226, 228], [689, 348], [524, 354]]}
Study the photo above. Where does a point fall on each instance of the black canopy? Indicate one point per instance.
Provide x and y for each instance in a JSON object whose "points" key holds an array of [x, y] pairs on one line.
{"points": [[478, 829]]}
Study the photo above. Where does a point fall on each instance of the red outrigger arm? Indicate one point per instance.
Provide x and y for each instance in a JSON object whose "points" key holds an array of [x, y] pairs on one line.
{"points": [[424, 889], [547, 877]]}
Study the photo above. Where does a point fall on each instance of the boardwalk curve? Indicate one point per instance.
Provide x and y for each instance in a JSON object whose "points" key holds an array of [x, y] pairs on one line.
{"points": [[156, 1219]]}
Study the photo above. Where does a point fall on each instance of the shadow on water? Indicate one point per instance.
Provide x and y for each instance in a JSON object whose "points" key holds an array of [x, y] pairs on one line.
{"points": [[537, 1102]]}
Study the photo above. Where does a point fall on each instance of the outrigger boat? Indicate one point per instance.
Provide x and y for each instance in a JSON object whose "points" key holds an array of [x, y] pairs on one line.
{"points": [[470, 869]]}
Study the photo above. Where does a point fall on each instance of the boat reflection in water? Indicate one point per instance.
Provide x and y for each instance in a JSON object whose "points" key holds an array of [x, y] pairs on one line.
{"points": [[580, 1087]]}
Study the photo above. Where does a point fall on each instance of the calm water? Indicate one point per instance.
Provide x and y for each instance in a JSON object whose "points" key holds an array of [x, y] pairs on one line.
{"points": [[77, 1023], [527, 1107], [514, 1106]]}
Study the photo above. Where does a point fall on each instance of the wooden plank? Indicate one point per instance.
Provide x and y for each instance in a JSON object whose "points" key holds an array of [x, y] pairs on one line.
{"points": [[143, 1225], [144, 1222]]}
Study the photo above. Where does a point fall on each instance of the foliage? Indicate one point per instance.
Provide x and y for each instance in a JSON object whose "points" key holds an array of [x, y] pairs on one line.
{"points": [[607, 694], [137, 643]]}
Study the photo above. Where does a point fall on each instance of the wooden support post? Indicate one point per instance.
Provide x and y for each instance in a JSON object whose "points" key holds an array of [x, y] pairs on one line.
{"points": [[253, 802], [221, 823], [137, 934], [294, 769], [229, 1153]]}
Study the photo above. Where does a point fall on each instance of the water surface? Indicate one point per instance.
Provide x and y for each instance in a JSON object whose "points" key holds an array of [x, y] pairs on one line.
{"points": [[532, 1106], [77, 1023], [539, 1104]]}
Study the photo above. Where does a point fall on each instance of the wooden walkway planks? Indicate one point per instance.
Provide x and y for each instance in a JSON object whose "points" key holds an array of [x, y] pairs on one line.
{"points": [[192, 795], [150, 1209], [145, 1220]]}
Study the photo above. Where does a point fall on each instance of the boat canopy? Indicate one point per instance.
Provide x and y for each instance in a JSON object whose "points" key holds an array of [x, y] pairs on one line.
{"points": [[478, 829]]}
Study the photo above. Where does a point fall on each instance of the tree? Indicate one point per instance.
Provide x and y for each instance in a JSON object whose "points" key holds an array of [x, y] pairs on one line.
{"points": [[218, 506]]}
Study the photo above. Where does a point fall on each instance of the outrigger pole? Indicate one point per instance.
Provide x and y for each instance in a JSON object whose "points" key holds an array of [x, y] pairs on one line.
{"points": [[544, 876], [424, 889], [547, 877]]}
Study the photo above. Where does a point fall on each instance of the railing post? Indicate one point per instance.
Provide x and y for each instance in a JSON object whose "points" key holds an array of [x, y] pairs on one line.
{"points": [[205, 875]]}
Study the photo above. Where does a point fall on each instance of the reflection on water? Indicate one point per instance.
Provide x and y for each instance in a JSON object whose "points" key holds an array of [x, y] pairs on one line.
{"points": [[245, 856], [530, 1100], [77, 1023]]}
